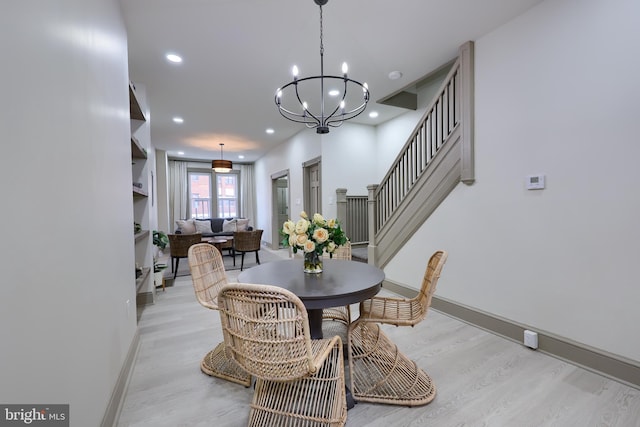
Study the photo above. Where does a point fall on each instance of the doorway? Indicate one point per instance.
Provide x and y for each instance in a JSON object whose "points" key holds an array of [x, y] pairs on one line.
{"points": [[312, 179], [280, 205]]}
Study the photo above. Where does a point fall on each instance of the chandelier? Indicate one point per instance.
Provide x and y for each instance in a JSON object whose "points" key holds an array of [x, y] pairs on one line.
{"points": [[221, 166], [296, 108]]}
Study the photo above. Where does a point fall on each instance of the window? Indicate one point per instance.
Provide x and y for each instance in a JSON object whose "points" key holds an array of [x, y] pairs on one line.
{"points": [[227, 195], [199, 194], [205, 201]]}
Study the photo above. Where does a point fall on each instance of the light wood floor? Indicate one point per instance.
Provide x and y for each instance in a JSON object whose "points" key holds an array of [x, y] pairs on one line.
{"points": [[482, 379]]}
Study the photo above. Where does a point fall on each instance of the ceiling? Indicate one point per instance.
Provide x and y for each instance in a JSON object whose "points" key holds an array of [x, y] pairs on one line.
{"points": [[236, 53]]}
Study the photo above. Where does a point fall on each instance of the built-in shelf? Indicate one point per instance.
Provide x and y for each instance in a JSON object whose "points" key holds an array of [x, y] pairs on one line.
{"points": [[140, 280], [141, 235], [139, 192], [134, 105], [137, 152]]}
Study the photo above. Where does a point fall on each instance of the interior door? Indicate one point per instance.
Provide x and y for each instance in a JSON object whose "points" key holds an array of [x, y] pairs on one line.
{"points": [[314, 191], [280, 203]]}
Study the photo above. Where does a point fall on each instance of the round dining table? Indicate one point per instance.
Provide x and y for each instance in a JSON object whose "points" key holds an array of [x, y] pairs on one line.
{"points": [[341, 283]]}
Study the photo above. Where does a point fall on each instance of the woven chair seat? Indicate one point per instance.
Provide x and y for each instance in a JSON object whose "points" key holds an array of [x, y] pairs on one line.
{"points": [[393, 311]]}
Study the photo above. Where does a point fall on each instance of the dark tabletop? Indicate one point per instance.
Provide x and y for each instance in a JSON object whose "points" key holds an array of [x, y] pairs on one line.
{"points": [[340, 283]]}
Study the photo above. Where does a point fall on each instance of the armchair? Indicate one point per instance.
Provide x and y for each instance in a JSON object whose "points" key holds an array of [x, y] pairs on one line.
{"points": [[246, 241], [179, 245]]}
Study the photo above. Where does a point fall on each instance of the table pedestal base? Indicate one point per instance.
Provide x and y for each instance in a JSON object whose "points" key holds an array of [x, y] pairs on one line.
{"points": [[315, 323]]}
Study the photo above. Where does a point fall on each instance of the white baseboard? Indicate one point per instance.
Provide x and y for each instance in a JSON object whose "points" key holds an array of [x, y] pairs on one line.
{"points": [[112, 413]]}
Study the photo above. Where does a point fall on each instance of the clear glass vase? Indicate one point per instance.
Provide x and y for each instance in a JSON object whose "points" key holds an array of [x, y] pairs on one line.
{"points": [[312, 262]]}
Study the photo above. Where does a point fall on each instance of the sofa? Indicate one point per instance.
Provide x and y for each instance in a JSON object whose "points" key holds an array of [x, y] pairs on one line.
{"points": [[212, 227]]}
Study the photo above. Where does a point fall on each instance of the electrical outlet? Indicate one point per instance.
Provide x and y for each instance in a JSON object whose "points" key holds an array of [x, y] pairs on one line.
{"points": [[128, 304], [531, 339]]}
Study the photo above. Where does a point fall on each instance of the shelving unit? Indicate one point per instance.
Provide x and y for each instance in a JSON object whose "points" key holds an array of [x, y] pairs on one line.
{"points": [[141, 180], [141, 235], [143, 277]]}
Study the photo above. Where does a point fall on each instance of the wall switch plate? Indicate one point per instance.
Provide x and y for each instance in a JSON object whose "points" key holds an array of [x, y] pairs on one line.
{"points": [[535, 182], [531, 339]]}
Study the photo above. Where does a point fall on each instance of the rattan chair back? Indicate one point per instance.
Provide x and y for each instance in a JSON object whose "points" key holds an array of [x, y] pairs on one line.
{"points": [[247, 241], [430, 282], [207, 273], [179, 244], [266, 329], [341, 252]]}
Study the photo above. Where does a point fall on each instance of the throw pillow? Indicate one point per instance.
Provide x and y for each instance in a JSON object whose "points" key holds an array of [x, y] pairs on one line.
{"points": [[229, 225], [243, 224], [203, 226], [186, 226]]}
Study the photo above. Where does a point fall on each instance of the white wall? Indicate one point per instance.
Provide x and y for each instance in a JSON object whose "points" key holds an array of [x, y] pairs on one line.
{"points": [[304, 146], [557, 94], [348, 156], [67, 262]]}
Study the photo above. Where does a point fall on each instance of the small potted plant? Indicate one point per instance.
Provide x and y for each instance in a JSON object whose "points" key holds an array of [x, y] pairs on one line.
{"points": [[160, 239], [158, 269]]}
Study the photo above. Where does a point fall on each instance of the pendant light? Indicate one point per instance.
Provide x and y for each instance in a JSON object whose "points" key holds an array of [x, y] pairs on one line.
{"points": [[221, 166]]}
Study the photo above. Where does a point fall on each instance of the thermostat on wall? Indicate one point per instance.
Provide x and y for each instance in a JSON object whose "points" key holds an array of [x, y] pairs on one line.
{"points": [[535, 182]]}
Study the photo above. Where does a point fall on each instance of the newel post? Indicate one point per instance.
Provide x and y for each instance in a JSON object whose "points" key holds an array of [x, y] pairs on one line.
{"points": [[371, 208], [341, 207]]}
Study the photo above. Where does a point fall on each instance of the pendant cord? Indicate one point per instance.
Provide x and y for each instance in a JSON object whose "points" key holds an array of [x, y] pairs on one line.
{"points": [[321, 71]]}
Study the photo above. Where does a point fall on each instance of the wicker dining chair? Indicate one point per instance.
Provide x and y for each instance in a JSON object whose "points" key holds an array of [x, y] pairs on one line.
{"points": [[380, 372], [179, 245], [299, 381], [209, 276], [246, 241], [336, 320]]}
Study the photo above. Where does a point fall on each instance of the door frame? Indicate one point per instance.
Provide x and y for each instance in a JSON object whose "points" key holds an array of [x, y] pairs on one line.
{"points": [[275, 225], [306, 182]]}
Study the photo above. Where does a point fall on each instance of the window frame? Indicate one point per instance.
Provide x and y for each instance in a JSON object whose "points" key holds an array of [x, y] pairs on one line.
{"points": [[215, 201], [195, 171]]}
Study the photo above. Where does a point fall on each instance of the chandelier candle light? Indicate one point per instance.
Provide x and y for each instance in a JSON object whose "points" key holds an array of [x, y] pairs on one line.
{"points": [[321, 118], [313, 237]]}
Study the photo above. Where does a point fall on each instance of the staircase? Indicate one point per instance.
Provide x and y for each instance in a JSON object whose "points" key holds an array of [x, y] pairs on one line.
{"points": [[436, 157]]}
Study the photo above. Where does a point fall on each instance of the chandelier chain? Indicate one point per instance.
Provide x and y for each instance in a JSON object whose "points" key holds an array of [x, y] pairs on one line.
{"points": [[321, 34]]}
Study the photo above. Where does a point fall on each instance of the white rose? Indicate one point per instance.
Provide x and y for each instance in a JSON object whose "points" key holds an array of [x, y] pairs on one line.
{"points": [[302, 226], [309, 246], [301, 239], [288, 227], [320, 235], [318, 219]]}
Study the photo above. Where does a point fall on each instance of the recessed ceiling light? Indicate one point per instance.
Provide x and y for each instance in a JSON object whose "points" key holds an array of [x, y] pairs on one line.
{"points": [[334, 92], [240, 156], [269, 131], [172, 57], [180, 153], [395, 75], [178, 120], [373, 114]]}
